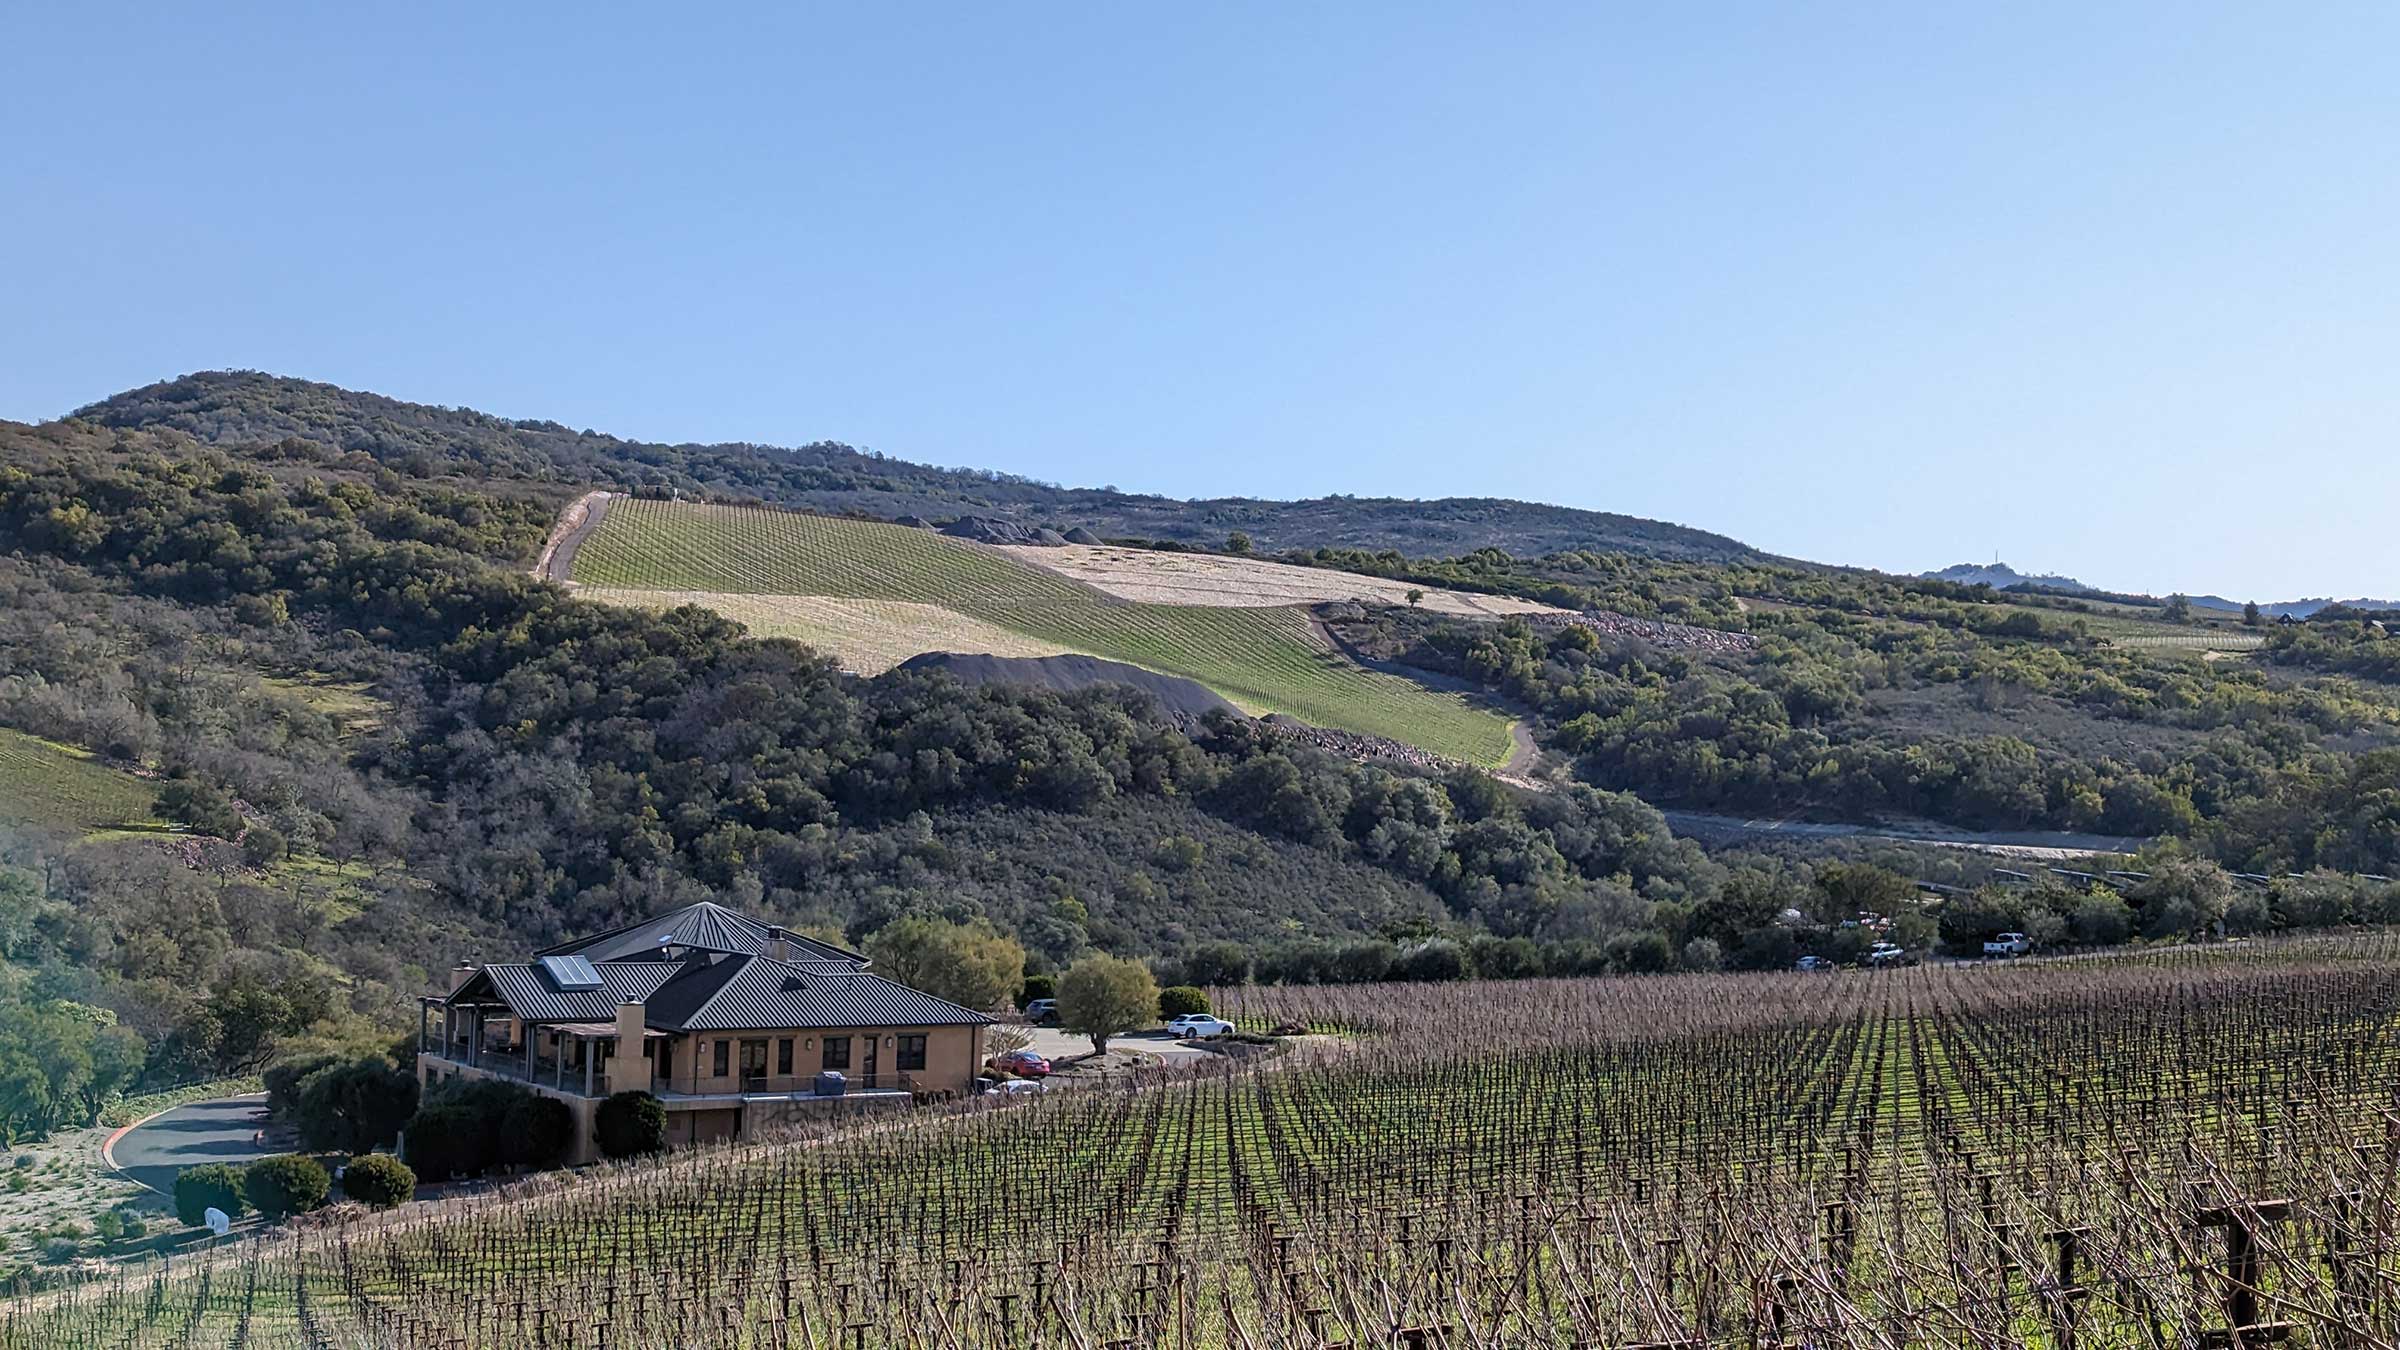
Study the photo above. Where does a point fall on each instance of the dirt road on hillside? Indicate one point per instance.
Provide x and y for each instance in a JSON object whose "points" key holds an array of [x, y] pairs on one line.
{"points": [[575, 524]]}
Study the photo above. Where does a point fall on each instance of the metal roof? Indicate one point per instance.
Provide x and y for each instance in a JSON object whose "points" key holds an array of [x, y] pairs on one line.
{"points": [[530, 995], [746, 993], [706, 925]]}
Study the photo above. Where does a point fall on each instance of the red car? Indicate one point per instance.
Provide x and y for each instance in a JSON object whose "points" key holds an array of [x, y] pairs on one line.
{"points": [[1025, 1064]]}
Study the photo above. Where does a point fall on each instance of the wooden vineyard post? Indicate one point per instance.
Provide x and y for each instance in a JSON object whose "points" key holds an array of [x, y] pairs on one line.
{"points": [[2067, 1296], [2245, 1268]]}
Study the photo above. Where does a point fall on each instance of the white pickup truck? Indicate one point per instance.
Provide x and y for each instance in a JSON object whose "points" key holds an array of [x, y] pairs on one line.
{"points": [[2008, 944]]}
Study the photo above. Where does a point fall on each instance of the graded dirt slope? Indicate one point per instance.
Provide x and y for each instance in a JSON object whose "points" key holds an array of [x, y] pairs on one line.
{"points": [[1211, 579], [1263, 660]]}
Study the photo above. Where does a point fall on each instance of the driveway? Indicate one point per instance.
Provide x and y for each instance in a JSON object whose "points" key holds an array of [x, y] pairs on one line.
{"points": [[1051, 1043], [152, 1152]]}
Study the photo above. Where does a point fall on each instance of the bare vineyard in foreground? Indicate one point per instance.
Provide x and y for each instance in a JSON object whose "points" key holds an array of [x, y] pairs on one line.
{"points": [[2148, 1151]]}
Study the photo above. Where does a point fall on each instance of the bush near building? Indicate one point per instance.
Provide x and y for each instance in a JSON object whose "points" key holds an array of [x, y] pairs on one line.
{"points": [[379, 1181], [209, 1186], [286, 1184], [630, 1124]]}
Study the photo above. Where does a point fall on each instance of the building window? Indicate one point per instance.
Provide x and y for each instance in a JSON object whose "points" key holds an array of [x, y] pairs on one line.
{"points": [[724, 1060], [837, 1052], [783, 1057], [912, 1053], [754, 1060]]}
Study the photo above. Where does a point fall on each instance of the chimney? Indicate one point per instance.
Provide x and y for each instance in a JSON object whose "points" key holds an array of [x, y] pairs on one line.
{"points": [[627, 1069], [461, 973], [779, 942]]}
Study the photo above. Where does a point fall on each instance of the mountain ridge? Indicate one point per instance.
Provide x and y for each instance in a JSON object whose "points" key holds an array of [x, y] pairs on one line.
{"points": [[425, 440]]}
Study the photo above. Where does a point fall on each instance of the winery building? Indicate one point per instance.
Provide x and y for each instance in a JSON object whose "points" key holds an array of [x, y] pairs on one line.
{"points": [[735, 1026]]}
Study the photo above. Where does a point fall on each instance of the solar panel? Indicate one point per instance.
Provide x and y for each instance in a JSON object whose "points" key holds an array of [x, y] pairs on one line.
{"points": [[571, 973]]}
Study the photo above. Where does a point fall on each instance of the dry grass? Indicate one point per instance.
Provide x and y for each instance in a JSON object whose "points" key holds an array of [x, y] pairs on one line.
{"points": [[1216, 581], [868, 637]]}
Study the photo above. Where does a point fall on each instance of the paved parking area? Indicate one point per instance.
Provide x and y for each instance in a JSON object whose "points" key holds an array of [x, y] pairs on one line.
{"points": [[1051, 1043]]}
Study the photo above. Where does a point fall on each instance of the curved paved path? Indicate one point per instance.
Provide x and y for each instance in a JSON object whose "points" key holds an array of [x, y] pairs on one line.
{"points": [[152, 1152]]}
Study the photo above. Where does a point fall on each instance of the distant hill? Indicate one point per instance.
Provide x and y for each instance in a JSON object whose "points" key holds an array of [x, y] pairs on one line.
{"points": [[246, 407], [2298, 609], [2001, 576]]}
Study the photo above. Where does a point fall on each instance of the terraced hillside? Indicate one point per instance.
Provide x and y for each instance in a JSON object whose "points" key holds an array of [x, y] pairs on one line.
{"points": [[774, 571]]}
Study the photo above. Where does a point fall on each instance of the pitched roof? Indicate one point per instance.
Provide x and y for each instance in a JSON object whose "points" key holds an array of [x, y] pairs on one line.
{"points": [[705, 925], [532, 994], [742, 993]]}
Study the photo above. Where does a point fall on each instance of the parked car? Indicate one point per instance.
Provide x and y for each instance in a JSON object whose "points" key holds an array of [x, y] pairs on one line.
{"points": [[1199, 1027], [1025, 1064], [1042, 1011], [1009, 1087], [1888, 954], [1812, 963], [2008, 944]]}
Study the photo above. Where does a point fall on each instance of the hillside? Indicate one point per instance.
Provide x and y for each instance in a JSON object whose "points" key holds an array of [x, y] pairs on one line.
{"points": [[245, 407], [1265, 659]]}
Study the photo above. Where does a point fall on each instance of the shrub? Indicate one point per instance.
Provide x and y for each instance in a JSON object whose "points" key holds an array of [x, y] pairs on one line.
{"points": [[356, 1107], [379, 1180], [1181, 1001], [630, 1124], [287, 1184], [1037, 986], [447, 1139], [59, 1250], [1432, 962], [209, 1186], [536, 1131], [285, 1081], [108, 1225], [131, 1227]]}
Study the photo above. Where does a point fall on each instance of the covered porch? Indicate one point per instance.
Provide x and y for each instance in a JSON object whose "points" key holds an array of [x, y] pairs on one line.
{"points": [[569, 1058]]}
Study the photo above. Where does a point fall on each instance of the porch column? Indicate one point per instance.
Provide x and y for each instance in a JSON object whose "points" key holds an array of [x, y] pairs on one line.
{"points": [[590, 1053], [558, 1063], [420, 1026], [475, 1035], [449, 1032], [532, 1039]]}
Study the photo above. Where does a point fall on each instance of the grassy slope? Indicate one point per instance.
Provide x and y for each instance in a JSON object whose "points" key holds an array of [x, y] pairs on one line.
{"points": [[56, 787], [1265, 660]]}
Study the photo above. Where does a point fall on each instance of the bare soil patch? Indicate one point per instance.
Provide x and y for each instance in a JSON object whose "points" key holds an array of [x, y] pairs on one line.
{"points": [[1218, 581]]}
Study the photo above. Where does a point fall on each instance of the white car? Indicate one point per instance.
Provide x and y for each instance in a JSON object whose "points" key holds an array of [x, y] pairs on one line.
{"points": [[1199, 1027], [2008, 944]]}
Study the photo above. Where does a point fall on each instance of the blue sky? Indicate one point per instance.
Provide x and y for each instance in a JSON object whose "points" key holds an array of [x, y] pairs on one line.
{"points": [[2112, 290]]}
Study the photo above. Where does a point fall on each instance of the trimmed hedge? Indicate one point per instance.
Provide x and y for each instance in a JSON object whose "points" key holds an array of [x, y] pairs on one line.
{"points": [[287, 1184], [1181, 1001], [209, 1186], [379, 1180]]}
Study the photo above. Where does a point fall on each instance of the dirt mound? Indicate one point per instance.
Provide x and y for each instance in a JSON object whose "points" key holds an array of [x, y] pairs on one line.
{"points": [[992, 530], [1080, 535], [1184, 700]]}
